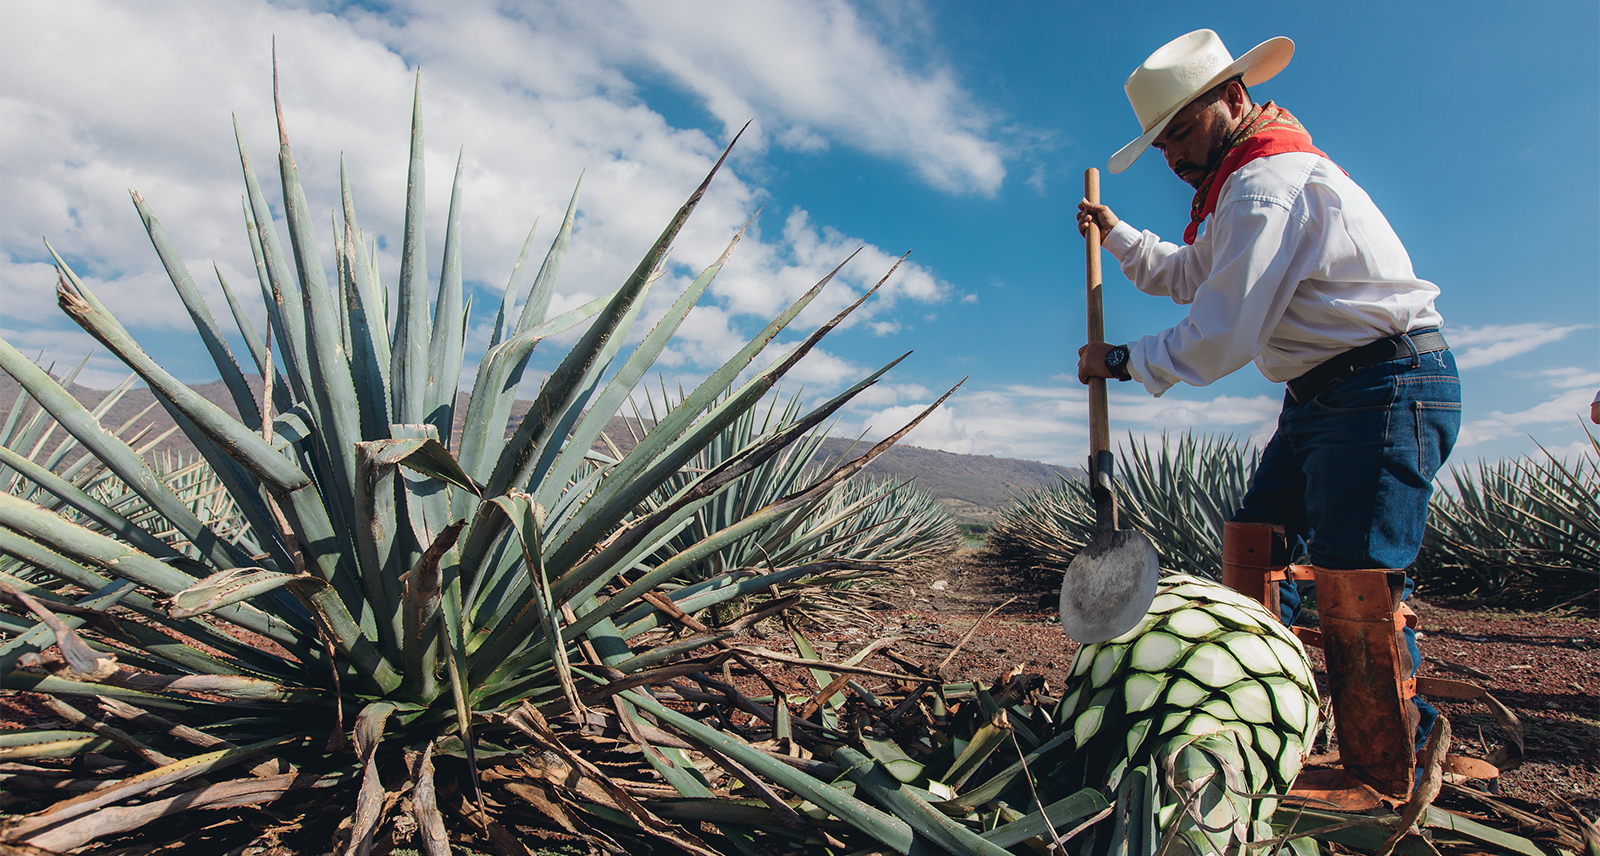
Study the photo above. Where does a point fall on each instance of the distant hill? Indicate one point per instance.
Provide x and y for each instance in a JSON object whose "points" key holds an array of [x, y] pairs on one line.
{"points": [[974, 487]]}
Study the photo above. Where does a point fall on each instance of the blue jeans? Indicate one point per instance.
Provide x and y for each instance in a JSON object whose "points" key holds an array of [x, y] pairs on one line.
{"points": [[1349, 473]]}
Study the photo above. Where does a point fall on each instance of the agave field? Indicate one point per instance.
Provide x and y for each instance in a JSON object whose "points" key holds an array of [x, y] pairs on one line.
{"points": [[1180, 493], [374, 616], [1522, 532]]}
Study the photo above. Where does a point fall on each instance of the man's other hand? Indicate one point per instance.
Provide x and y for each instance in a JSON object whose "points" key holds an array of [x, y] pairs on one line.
{"points": [[1100, 214], [1092, 362]]}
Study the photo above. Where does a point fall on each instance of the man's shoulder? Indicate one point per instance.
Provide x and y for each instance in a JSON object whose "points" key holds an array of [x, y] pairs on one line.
{"points": [[1279, 178]]}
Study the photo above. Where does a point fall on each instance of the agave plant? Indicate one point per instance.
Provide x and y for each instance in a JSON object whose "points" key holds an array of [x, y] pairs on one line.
{"points": [[194, 483], [401, 565], [1179, 493], [31, 443], [868, 520], [883, 520], [1526, 530]]}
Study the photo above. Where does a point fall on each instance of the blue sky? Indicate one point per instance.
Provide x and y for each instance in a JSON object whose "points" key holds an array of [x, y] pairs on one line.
{"points": [[959, 129]]}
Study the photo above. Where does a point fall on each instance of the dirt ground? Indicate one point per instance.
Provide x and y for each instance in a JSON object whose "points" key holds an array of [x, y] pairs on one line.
{"points": [[1544, 666]]}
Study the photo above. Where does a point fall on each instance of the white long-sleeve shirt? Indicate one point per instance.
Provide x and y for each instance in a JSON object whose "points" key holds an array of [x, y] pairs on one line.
{"points": [[1295, 266]]}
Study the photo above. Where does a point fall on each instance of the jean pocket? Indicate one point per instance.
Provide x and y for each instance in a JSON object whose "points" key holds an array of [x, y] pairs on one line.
{"points": [[1437, 424], [1367, 390]]}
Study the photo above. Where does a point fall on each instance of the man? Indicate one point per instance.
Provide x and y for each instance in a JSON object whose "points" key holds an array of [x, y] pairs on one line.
{"points": [[1298, 271]]}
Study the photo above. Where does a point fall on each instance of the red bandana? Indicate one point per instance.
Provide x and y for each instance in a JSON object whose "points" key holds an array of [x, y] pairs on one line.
{"points": [[1266, 130]]}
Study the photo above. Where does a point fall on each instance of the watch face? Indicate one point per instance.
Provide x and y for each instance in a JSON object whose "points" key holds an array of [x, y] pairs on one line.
{"points": [[1116, 356]]}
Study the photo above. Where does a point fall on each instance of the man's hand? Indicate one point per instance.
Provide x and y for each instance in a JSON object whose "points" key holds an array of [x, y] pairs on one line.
{"points": [[1092, 362], [1594, 412], [1100, 214]]}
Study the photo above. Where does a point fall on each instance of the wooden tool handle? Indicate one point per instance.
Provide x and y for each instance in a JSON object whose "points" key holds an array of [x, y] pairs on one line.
{"points": [[1099, 420]]}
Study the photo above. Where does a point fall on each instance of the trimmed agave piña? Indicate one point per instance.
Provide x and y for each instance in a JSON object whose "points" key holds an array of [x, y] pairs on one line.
{"points": [[1177, 492], [1192, 720], [400, 562]]}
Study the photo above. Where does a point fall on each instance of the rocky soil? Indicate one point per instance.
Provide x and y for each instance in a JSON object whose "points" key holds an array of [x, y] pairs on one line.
{"points": [[1544, 666]]}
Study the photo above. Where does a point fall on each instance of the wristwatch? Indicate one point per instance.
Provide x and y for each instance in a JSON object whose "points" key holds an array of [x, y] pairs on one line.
{"points": [[1117, 362]]}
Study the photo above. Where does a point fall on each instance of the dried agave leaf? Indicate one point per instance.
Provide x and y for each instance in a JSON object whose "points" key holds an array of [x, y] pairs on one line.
{"points": [[85, 662], [431, 835]]}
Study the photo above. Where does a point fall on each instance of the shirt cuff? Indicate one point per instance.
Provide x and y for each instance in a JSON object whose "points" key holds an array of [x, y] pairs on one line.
{"points": [[1139, 366], [1120, 239]]}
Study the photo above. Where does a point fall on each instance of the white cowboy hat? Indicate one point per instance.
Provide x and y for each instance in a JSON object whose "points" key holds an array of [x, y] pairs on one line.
{"points": [[1182, 70]]}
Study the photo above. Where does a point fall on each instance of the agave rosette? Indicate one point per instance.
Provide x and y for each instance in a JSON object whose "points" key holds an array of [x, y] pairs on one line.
{"points": [[1523, 530], [1179, 491], [861, 519], [400, 565]]}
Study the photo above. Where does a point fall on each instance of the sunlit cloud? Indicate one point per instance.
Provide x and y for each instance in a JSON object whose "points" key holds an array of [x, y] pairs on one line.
{"points": [[1477, 347], [529, 99], [59, 350], [1571, 391], [814, 72], [1050, 422]]}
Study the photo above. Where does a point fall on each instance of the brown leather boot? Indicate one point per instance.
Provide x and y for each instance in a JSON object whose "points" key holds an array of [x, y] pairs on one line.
{"points": [[1370, 673], [1253, 557]]}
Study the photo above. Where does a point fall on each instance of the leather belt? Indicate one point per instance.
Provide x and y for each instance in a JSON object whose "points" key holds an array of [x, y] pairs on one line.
{"points": [[1307, 386]]}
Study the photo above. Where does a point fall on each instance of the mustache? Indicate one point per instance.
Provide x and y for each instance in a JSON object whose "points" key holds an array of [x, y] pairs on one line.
{"points": [[1191, 173], [1194, 173]]}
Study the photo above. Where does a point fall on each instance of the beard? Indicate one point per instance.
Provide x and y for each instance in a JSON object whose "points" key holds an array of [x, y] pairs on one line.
{"points": [[1194, 174]]}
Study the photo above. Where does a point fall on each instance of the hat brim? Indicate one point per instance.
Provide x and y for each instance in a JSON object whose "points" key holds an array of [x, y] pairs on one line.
{"points": [[1258, 65]]}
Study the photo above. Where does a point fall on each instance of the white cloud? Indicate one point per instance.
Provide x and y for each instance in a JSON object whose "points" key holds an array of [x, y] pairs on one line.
{"points": [[1571, 377], [1492, 343], [1257, 415], [59, 350], [826, 370], [884, 393], [1572, 390], [810, 71], [533, 96], [1050, 423], [1036, 180]]}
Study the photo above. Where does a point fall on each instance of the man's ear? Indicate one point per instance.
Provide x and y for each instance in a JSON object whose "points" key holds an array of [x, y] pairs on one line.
{"points": [[1237, 98]]}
